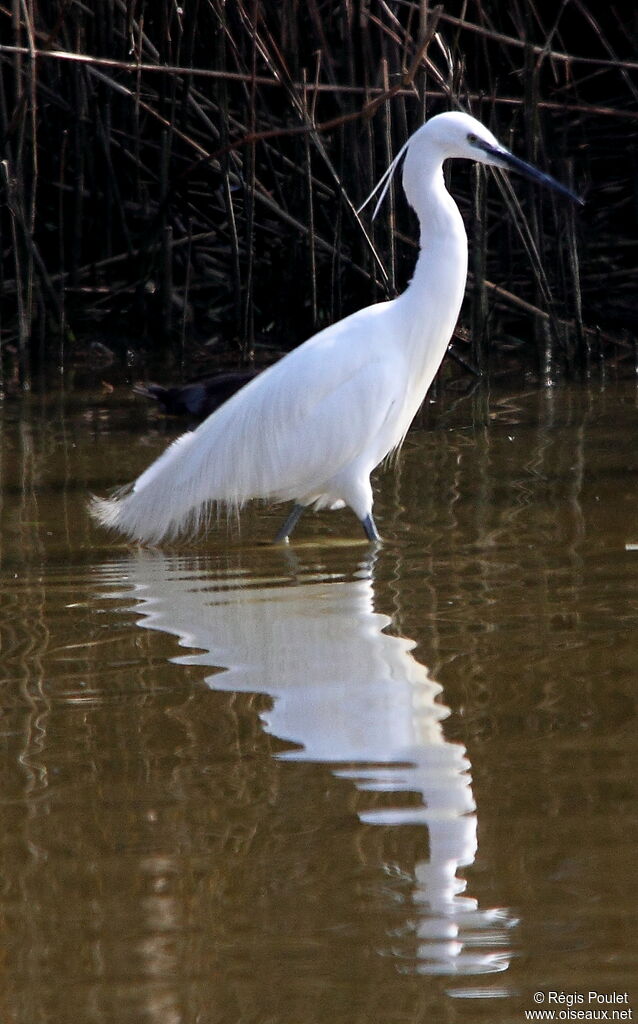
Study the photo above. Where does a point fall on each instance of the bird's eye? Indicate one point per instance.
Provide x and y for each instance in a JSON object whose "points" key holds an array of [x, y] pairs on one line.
{"points": [[472, 138]]}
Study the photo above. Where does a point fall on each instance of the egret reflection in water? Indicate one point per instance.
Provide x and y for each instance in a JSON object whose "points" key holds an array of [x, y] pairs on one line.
{"points": [[346, 693]]}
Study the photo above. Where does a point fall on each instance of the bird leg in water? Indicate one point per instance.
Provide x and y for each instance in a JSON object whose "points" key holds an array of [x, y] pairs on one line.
{"points": [[283, 535], [370, 528]]}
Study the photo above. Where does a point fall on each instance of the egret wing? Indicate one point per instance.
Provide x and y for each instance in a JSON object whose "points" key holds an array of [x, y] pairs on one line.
{"points": [[285, 434]]}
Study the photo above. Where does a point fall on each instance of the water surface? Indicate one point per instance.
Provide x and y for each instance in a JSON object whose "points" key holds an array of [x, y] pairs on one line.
{"points": [[243, 783]]}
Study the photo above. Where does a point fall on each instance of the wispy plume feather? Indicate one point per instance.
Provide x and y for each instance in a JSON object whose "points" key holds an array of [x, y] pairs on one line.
{"points": [[384, 182]]}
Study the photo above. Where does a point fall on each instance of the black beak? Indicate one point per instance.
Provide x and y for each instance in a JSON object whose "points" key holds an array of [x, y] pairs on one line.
{"points": [[503, 158]]}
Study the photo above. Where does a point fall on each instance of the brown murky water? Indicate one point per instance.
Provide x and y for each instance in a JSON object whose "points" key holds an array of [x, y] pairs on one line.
{"points": [[247, 784]]}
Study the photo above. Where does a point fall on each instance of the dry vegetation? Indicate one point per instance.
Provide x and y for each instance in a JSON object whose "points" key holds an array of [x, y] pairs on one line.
{"points": [[182, 179]]}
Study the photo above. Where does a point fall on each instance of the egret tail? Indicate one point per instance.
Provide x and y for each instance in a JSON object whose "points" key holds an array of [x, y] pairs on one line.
{"points": [[141, 511]]}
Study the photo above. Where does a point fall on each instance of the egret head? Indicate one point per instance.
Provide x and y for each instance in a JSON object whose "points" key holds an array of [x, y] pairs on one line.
{"points": [[456, 135]]}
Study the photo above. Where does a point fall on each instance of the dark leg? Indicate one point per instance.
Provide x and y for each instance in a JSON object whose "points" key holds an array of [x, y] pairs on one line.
{"points": [[292, 520], [370, 528]]}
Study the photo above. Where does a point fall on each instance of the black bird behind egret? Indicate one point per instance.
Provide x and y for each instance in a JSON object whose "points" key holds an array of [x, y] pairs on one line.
{"points": [[199, 398], [311, 428]]}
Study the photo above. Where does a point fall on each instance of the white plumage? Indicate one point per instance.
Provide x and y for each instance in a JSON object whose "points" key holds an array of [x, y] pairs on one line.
{"points": [[311, 428]]}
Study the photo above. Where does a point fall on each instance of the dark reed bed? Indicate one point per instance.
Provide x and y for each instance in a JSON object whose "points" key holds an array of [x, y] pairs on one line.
{"points": [[181, 181]]}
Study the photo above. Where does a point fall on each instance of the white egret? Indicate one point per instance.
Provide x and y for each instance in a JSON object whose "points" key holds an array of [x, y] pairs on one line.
{"points": [[311, 428]]}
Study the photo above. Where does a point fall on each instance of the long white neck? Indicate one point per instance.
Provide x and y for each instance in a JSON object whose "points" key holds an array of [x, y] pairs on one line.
{"points": [[433, 298]]}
